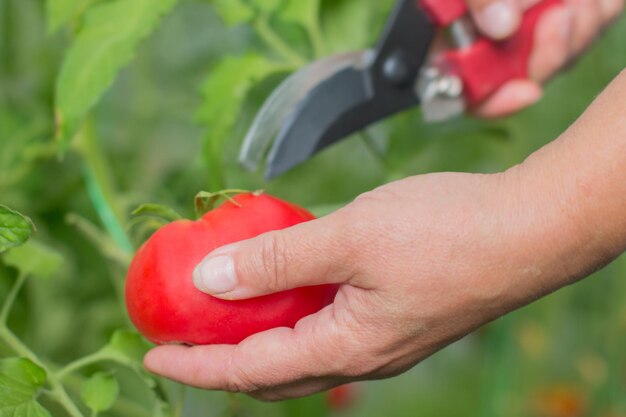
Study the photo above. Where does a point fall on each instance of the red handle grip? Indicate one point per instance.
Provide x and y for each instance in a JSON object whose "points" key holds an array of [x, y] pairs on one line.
{"points": [[486, 65]]}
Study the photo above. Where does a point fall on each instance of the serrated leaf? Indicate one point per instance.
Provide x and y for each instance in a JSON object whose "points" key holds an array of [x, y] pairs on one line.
{"points": [[234, 12], [15, 228], [100, 392], [35, 258], [127, 346], [105, 44], [60, 12], [225, 91], [20, 379], [157, 210]]}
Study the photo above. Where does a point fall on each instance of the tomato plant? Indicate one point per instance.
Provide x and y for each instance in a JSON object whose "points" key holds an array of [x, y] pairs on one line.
{"points": [[108, 104]]}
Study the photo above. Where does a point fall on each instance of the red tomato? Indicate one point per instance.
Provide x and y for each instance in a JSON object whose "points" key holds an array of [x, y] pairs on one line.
{"points": [[342, 397], [166, 307]]}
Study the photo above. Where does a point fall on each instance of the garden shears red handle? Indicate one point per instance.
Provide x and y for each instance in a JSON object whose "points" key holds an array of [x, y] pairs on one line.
{"points": [[332, 98]]}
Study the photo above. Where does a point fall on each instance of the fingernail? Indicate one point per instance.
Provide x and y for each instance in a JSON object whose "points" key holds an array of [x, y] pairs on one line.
{"points": [[499, 19], [215, 275]]}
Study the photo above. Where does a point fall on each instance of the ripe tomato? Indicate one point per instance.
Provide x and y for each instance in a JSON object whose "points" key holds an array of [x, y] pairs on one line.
{"points": [[342, 397], [166, 307]]}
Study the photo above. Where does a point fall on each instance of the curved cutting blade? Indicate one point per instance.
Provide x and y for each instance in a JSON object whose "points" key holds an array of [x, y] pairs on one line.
{"points": [[280, 106]]}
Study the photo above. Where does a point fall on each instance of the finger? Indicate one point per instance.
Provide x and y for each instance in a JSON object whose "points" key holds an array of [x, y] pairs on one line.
{"points": [[310, 253], [611, 9], [552, 43], [510, 98], [315, 349], [587, 22], [497, 19]]}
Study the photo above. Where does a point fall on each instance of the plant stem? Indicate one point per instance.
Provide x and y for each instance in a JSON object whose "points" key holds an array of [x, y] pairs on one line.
{"points": [[317, 40], [8, 302], [276, 43], [180, 403], [60, 396], [80, 363], [99, 186], [368, 141], [233, 405], [58, 392], [17, 346], [315, 32]]}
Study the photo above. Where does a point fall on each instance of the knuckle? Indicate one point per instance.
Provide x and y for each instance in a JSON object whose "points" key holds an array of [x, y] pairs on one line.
{"points": [[273, 263], [241, 381]]}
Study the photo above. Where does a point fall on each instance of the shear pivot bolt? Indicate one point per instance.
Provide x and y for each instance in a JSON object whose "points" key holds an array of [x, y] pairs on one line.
{"points": [[396, 69]]}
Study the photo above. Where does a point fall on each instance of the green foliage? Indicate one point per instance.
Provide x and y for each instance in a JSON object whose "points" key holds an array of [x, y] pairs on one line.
{"points": [[61, 12], [225, 91], [104, 45], [35, 258], [100, 392], [126, 347], [157, 210], [15, 229], [20, 379]]}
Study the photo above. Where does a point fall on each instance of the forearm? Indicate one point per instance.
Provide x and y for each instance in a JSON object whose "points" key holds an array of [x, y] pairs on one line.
{"points": [[576, 189]]}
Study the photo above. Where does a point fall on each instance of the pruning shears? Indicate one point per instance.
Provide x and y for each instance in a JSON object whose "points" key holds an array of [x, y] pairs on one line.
{"points": [[332, 98]]}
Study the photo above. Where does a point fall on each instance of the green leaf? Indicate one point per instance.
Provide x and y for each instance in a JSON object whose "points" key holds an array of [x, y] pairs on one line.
{"points": [[100, 392], [127, 347], [105, 44], [60, 12], [302, 12], [234, 12], [35, 258], [15, 228], [20, 379], [157, 210], [225, 91]]}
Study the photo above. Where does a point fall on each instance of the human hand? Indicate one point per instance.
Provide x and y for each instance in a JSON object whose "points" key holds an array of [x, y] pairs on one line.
{"points": [[421, 263], [561, 35]]}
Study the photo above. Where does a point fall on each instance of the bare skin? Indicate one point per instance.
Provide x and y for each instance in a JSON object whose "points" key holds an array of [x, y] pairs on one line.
{"points": [[421, 262]]}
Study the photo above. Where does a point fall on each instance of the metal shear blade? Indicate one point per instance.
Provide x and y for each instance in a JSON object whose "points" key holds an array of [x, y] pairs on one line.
{"points": [[342, 94]]}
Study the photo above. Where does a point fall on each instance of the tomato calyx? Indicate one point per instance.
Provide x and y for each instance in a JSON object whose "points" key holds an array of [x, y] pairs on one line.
{"points": [[205, 201]]}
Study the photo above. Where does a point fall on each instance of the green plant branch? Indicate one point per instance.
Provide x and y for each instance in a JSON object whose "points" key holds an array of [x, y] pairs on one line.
{"points": [[317, 39], [60, 396], [180, 403], [17, 346], [277, 44], [99, 186], [95, 357], [57, 391], [368, 141], [8, 302]]}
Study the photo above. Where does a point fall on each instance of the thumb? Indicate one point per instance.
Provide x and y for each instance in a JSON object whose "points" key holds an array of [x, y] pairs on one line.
{"points": [[310, 253]]}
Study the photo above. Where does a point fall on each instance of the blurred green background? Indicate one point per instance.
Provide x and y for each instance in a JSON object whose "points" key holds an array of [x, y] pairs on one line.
{"points": [[155, 137]]}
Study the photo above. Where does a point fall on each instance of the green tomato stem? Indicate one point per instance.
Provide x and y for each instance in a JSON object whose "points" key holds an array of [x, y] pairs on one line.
{"points": [[8, 302], [80, 363], [17, 346], [276, 43], [61, 397], [180, 403], [100, 187]]}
